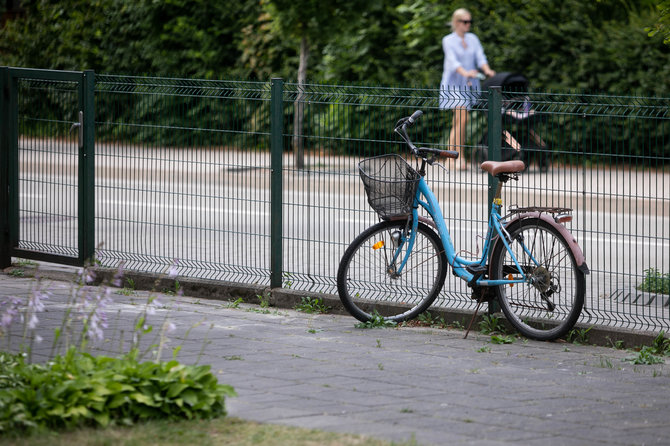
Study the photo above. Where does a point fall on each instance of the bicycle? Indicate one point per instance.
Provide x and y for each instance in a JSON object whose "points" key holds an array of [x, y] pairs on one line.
{"points": [[530, 263]]}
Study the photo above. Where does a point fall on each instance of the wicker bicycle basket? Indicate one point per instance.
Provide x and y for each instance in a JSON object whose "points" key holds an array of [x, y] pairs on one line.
{"points": [[390, 184]]}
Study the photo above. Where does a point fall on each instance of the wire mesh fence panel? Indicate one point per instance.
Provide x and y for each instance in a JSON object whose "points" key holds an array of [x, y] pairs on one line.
{"points": [[607, 158], [48, 163], [325, 202], [604, 157], [183, 175]]}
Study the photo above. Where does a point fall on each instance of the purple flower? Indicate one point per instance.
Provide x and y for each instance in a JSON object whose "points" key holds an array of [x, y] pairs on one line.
{"points": [[91, 309], [172, 272], [32, 321], [35, 302], [86, 275], [10, 310], [118, 276]]}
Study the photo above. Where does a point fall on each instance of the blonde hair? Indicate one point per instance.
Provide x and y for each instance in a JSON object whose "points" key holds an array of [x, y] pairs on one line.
{"points": [[458, 14]]}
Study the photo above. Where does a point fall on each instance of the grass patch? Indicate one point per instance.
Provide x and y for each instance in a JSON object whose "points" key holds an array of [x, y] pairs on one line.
{"points": [[426, 318], [502, 339], [220, 431], [377, 321], [579, 336], [645, 356], [309, 305], [236, 303], [655, 282], [652, 354], [491, 324]]}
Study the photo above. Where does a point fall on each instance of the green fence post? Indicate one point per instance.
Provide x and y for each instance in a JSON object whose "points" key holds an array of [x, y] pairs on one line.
{"points": [[87, 171], [494, 142], [5, 245], [13, 154], [276, 185], [495, 136]]}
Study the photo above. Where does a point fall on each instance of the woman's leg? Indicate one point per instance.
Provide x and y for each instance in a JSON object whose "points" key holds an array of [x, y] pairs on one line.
{"points": [[457, 134]]}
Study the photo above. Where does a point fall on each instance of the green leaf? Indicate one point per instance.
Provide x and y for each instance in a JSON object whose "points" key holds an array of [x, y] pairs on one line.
{"points": [[190, 397], [199, 372], [102, 418], [226, 390], [175, 389], [118, 401], [76, 411], [142, 398]]}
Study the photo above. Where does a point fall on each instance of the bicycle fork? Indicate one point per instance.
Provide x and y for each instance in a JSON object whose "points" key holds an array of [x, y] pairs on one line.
{"points": [[398, 240]]}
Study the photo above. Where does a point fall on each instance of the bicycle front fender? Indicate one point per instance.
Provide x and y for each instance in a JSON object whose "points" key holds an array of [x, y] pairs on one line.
{"points": [[580, 258]]}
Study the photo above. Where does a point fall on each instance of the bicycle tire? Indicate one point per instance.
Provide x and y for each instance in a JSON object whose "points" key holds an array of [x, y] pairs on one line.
{"points": [[549, 303], [367, 286]]}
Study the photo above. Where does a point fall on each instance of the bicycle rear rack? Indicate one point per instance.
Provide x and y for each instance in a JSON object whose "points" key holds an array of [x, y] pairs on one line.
{"points": [[560, 214]]}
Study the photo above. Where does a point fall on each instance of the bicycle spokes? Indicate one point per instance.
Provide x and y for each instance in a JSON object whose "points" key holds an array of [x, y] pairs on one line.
{"points": [[547, 302], [388, 279]]}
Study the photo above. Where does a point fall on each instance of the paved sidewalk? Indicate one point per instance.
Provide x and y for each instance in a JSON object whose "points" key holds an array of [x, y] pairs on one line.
{"points": [[319, 371]]}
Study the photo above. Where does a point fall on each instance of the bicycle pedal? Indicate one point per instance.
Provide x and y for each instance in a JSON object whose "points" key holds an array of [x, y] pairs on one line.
{"points": [[474, 269]]}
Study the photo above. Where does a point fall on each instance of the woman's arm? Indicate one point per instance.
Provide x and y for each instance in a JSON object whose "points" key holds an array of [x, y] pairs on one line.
{"points": [[487, 70], [482, 62]]}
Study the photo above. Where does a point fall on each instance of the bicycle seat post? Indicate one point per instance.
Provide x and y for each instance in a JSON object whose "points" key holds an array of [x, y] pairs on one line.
{"points": [[502, 179], [503, 171]]}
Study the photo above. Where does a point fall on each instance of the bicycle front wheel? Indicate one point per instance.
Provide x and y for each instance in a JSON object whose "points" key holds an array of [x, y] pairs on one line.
{"points": [[370, 279], [547, 305]]}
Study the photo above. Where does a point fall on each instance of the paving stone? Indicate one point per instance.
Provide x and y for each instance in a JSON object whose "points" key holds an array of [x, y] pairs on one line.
{"points": [[319, 371]]}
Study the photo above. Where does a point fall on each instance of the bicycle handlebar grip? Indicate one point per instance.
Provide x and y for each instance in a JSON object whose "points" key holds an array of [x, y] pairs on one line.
{"points": [[437, 152], [416, 115]]}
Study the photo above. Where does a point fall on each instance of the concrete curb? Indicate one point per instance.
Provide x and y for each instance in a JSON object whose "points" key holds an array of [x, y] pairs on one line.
{"points": [[599, 335]]}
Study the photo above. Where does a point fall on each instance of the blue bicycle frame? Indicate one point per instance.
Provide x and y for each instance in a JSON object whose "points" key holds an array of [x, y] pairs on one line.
{"points": [[460, 265]]}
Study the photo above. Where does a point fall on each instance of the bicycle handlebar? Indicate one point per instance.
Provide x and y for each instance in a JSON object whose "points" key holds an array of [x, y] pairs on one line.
{"points": [[437, 152], [401, 128], [416, 115]]}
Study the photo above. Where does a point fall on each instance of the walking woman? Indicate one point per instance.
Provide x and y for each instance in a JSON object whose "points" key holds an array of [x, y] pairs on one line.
{"points": [[463, 58]]}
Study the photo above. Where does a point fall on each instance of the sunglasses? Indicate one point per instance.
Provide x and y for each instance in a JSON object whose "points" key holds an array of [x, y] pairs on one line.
{"points": [[466, 22]]}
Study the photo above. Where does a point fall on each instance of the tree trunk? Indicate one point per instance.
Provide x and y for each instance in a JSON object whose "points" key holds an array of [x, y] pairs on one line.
{"points": [[298, 106]]}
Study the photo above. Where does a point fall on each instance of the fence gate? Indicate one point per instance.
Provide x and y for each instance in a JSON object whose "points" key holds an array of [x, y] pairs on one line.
{"points": [[47, 149]]}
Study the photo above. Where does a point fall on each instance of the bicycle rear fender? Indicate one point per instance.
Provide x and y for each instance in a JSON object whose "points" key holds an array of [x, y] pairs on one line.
{"points": [[572, 242]]}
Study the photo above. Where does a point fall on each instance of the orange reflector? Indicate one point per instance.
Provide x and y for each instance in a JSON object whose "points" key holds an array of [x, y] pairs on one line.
{"points": [[510, 277], [379, 244]]}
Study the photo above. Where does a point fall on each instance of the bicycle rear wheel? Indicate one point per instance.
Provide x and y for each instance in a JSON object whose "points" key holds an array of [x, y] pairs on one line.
{"points": [[548, 304], [367, 278]]}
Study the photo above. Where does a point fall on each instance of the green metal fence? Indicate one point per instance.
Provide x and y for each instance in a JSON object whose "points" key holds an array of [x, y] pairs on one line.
{"points": [[48, 158], [218, 177], [183, 170]]}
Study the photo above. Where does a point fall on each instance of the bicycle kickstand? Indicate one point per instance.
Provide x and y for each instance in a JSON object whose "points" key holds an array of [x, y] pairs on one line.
{"points": [[483, 296]]}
